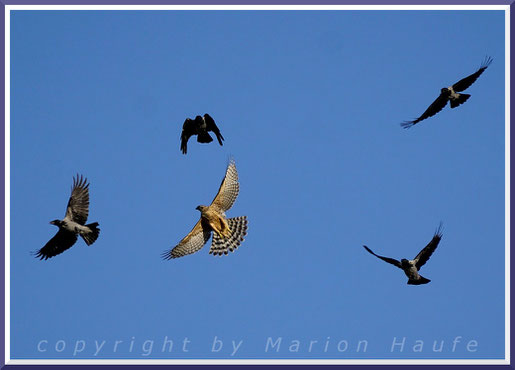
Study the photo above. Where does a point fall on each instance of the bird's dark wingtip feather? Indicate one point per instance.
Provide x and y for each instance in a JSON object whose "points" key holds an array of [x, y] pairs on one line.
{"points": [[220, 139], [184, 145], [439, 230], [486, 62], [166, 255], [407, 124], [80, 181], [39, 254]]}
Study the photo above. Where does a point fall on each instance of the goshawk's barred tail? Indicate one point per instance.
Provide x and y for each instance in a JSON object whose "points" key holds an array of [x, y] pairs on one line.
{"points": [[238, 226]]}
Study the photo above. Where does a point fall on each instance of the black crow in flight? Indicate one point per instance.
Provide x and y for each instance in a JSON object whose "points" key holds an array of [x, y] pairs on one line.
{"points": [[73, 223], [411, 267], [450, 94], [200, 127]]}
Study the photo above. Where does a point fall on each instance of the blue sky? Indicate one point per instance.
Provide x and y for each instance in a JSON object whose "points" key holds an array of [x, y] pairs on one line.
{"points": [[309, 103]]}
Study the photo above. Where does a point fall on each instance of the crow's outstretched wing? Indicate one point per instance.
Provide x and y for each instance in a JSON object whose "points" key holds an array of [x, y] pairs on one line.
{"points": [[57, 245], [434, 108], [78, 204], [428, 250], [465, 83], [189, 128], [386, 259], [211, 126]]}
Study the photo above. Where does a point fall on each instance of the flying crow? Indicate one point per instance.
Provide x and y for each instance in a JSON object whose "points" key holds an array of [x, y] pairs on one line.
{"points": [[411, 267], [73, 223], [451, 94], [200, 126]]}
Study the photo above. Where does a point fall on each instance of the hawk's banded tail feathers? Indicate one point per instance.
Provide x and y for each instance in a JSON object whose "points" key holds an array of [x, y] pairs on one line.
{"points": [[238, 227]]}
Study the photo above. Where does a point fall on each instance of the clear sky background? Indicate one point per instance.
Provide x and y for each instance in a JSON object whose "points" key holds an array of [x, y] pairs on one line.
{"points": [[309, 103]]}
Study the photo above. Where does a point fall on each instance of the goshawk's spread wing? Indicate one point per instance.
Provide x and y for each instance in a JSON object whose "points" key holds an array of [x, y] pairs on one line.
{"points": [[211, 126], [428, 250], [189, 128], [78, 204], [434, 108], [57, 245], [228, 191], [465, 83], [191, 243], [386, 259]]}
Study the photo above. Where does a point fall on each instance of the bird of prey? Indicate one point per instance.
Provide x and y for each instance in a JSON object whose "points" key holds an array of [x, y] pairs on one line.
{"points": [[228, 233], [73, 224], [199, 126], [451, 94], [411, 267]]}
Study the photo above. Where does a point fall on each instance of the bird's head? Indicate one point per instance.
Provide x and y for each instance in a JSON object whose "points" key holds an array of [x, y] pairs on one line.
{"points": [[445, 90], [201, 208], [56, 222], [405, 262]]}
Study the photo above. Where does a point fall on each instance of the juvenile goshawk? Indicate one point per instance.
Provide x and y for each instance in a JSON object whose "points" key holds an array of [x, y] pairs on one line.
{"points": [[228, 233]]}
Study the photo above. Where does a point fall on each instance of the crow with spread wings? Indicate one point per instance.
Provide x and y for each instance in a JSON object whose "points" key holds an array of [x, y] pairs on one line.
{"points": [[451, 94], [411, 267], [228, 233], [73, 224], [199, 126]]}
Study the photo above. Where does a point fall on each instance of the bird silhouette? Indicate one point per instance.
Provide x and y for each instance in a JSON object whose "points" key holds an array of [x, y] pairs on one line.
{"points": [[411, 267], [199, 126], [73, 223], [451, 94]]}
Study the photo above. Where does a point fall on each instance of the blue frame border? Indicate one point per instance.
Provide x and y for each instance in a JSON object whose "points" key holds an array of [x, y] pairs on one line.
{"points": [[3, 4]]}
